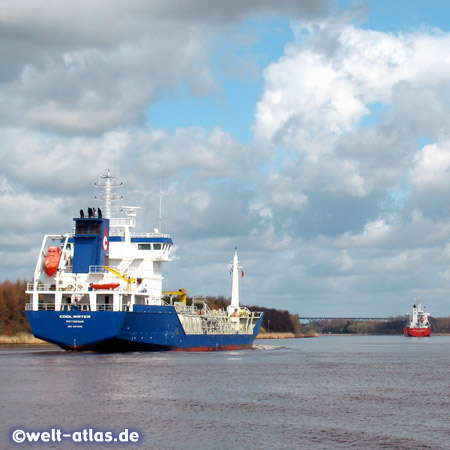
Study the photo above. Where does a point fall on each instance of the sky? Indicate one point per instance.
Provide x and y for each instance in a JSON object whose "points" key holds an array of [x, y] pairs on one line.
{"points": [[313, 135]]}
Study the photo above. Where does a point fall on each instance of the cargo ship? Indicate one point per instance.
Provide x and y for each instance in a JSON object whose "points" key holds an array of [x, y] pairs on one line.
{"points": [[99, 288], [417, 324]]}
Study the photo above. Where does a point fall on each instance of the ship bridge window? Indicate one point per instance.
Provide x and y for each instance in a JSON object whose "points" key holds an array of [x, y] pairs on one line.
{"points": [[82, 228], [87, 228], [95, 228], [157, 246], [144, 246]]}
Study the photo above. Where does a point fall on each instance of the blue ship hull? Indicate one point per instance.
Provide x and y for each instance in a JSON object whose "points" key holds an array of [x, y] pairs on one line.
{"points": [[150, 328]]}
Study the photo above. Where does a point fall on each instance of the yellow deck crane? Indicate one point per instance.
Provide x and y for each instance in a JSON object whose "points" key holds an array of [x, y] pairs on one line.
{"points": [[123, 276], [182, 293]]}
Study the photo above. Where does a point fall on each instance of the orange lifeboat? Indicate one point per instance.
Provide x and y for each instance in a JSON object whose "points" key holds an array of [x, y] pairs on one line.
{"points": [[51, 260], [104, 286]]}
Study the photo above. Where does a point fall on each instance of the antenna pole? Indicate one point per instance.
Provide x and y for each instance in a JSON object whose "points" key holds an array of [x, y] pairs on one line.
{"points": [[160, 202]]}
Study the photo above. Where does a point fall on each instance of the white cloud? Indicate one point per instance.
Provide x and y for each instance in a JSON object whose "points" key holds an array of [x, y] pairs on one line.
{"points": [[76, 67], [314, 93], [431, 169], [284, 192], [332, 78]]}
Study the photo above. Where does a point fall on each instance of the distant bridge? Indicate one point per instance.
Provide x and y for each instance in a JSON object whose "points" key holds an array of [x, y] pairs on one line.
{"points": [[352, 319]]}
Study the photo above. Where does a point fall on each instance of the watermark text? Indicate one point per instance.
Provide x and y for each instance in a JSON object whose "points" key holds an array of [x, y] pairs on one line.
{"points": [[86, 435]]}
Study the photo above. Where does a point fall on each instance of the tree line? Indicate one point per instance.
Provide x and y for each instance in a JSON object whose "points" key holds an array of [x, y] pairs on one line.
{"points": [[392, 326], [12, 308]]}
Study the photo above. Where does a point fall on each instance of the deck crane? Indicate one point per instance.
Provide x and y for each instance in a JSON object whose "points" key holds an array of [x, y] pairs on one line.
{"points": [[129, 280], [182, 293]]}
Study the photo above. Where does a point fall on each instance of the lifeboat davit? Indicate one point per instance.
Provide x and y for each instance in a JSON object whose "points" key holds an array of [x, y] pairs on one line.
{"points": [[105, 286], [51, 260]]}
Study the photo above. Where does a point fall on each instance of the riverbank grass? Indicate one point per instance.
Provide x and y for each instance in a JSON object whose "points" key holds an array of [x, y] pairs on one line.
{"points": [[285, 335], [21, 338]]}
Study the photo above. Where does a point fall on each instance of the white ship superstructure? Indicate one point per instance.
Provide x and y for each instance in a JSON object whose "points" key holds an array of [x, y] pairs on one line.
{"points": [[129, 269]]}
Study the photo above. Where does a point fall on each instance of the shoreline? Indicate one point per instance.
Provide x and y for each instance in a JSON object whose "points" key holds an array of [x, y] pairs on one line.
{"points": [[300, 336], [285, 336], [21, 339]]}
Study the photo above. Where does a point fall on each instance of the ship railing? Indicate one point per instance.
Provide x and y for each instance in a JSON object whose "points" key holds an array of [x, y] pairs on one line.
{"points": [[78, 307], [101, 270], [218, 321], [104, 307], [119, 232], [97, 269], [87, 307], [70, 307], [188, 309], [150, 235], [66, 268], [120, 222], [244, 311], [204, 311], [222, 325], [41, 307], [46, 306], [40, 287]]}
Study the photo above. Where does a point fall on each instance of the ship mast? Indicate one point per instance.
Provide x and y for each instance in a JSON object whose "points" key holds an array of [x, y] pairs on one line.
{"points": [[108, 195], [234, 307], [160, 203]]}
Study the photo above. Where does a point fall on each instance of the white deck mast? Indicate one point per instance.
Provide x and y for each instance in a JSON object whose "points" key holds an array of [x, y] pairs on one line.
{"points": [[108, 196], [234, 307]]}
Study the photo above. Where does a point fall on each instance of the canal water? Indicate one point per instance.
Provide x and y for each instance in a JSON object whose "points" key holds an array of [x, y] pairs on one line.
{"points": [[331, 392]]}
